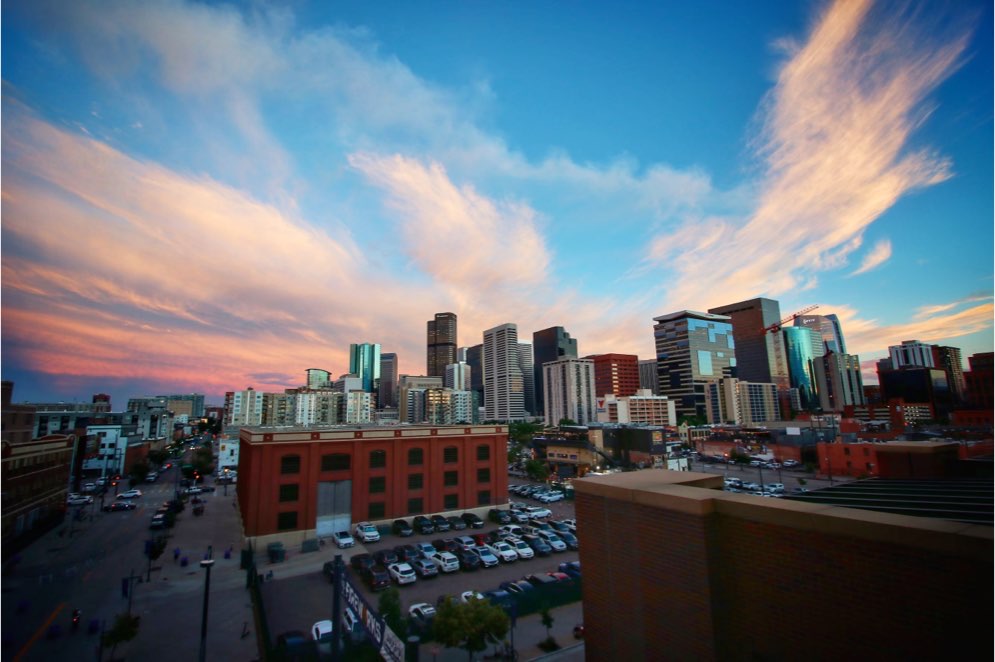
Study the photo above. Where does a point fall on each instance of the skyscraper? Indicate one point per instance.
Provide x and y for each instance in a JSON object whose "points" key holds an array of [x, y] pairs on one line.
{"points": [[528, 377], [550, 344], [647, 376], [692, 348], [828, 332], [387, 392], [911, 353], [616, 373], [759, 355], [364, 362], [458, 377], [475, 359], [504, 391], [801, 370], [318, 378], [569, 388], [441, 344]]}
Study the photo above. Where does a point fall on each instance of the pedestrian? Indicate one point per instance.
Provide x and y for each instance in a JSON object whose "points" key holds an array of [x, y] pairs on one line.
{"points": [[176, 555]]}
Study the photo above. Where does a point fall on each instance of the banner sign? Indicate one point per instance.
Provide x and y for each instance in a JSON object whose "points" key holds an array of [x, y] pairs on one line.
{"points": [[389, 644]]}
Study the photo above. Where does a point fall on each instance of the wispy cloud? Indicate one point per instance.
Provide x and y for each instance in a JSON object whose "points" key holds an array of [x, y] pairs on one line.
{"points": [[835, 143], [874, 257]]}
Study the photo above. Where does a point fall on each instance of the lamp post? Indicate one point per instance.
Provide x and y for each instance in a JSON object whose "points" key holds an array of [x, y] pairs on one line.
{"points": [[206, 563], [829, 465]]}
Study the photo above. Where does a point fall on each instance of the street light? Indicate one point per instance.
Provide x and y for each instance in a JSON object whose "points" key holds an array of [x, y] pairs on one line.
{"points": [[829, 464], [206, 563]]}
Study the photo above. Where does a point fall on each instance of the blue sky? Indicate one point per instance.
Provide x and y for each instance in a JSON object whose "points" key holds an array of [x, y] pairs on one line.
{"points": [[207, 196]]}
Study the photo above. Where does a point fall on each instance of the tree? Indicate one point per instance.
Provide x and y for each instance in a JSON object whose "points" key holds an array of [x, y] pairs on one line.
{"points": [[389, 607], [547, 622], [566, 421], [158, 457], [139, 471], [536, 470], [125, 629], [470, 626]]}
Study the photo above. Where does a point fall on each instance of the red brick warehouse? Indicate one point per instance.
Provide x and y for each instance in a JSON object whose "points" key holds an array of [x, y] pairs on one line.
{"points": [[302, 482]]}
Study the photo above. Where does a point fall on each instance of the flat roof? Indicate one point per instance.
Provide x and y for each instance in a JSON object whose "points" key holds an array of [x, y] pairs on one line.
{"points": [[968, 500], [692, 313]]}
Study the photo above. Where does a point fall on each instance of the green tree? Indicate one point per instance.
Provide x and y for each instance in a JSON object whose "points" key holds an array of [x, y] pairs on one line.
{"points": [[138, 472], [203, 460], [566, 421], [389, 607], [469, 626], [547, 619], [125, 629], [536, 470], [158, 457]]}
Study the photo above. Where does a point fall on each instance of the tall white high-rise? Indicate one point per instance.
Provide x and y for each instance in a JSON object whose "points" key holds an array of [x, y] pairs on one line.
{"points": [[504, 390], [569, 388], [458, 377]]}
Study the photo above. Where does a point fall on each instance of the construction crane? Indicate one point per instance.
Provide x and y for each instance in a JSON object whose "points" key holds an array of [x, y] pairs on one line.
{"points": [[789, 318]]}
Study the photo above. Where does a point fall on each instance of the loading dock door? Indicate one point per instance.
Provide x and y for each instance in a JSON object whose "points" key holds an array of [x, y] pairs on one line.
{"points": [[334, 507]]}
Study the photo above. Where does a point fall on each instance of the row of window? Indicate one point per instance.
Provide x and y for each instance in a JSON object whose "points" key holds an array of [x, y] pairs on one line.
{"points": [[291, 464], [287, 521], [378, 484]]}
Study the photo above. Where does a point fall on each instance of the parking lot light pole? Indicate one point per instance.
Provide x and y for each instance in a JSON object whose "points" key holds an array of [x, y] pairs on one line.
{"points": [[206, 563]]}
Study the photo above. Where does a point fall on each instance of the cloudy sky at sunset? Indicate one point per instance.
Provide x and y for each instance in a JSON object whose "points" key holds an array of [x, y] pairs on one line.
{"points": [[210, 196]]}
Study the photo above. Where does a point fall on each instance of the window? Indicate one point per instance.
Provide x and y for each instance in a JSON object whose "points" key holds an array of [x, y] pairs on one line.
{"points": [[415, 506], [846, 451], [415, 481], [483, 452], [416, 457], [483, 475], [484, 498], [450, 478], [335, 462], [290, 464], [450, 454], [286, 521], [289, 492], [378, 485], [376, 510], [450, 501], [378, 459]]}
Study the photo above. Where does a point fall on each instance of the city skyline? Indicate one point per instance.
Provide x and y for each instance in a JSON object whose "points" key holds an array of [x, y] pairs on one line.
{"points": [[200, 198]]}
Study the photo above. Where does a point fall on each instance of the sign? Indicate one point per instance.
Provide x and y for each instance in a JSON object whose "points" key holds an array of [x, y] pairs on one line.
{"points": [[389, 644]]}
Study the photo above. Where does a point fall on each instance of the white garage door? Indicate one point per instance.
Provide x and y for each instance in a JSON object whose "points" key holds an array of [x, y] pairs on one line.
{"points": [[334, 507]]}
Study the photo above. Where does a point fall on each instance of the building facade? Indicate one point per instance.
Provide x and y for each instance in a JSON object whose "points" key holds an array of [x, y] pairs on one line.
{"points": [[364, 362], [760, 355], [550, 344], [387, 391], [827, 330], [799, 344], [412, 396], [569, 388], [647, 376], [504, 387], [616, 373], [737, 402], [458, 377], [243, 408], [911, 353], [840, 382], [441, 344], [525, 362], [318, 378], [692, 348], [643, 408], [475, 359], [302, 483]]}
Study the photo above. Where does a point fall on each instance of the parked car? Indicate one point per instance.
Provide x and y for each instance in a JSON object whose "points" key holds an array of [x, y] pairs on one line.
{"points": [[570, 539], [440, 523], [466, 596], [400, 527], [777, 488], [468, 560], [88, 487], [386, 556], [425, 548], [402, 573], [788, 464], [466, 542], [750, 487], [425, 567], [366, 532], [540, 580], [78, 500], [407, 553], [376, 577], [422, 611], [499, 516], [343, 539], [553, 541], [521, 548], [550, 497], [519, 587], [472, 520], [570, 567], [158, 521], [487, 558], [538, 512], [118, 506], [503, 551], [422, 525], [358, 562], [446, 545], [445, 561], [538, 545], [151, 477], [519, 517], [456, 523], [322, 631]]}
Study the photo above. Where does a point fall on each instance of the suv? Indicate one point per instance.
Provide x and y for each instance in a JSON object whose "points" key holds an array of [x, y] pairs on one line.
{"points": [[376, 578], [776, 488], [499, 516], [401, 528], [343, 539], [440, 523], [536, 512], [423, 525], [366, 532], [472, 520], [446, 561]]}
